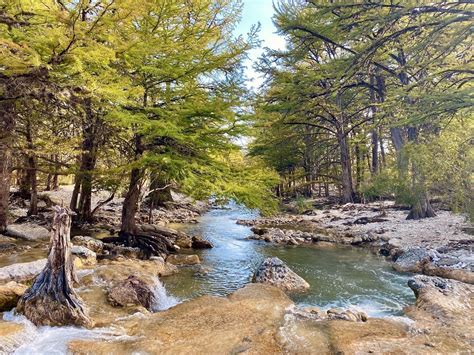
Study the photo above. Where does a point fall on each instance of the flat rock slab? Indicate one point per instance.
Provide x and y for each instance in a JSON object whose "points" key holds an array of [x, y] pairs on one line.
{"points": [[21, 272], [27, 231]]}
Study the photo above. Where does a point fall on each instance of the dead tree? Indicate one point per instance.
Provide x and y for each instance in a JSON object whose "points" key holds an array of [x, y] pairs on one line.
{"points": [[51, 300]]}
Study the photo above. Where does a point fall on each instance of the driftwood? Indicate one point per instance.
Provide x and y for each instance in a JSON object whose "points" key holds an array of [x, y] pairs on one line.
{"points": [[51, 300]]}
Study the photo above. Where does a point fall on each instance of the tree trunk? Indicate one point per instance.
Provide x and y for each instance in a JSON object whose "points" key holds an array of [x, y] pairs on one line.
{"points": [[7, 125], [91, 132], [347, 192], [160, 192], [33, 209], [51, 300], [130, 203]]}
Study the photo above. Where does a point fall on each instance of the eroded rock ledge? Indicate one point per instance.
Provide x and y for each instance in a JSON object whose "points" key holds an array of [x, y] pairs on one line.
{"points": [[262, 319]]}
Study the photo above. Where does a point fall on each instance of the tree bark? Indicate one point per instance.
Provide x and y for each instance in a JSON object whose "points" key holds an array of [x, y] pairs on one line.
{"points": [[51, 300], [130, 203], [33, 209], [91, 132], [7, 125], [346, 177]]}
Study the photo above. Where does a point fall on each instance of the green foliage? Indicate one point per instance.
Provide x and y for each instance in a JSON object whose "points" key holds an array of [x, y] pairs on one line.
{"points": [[302, 204]]}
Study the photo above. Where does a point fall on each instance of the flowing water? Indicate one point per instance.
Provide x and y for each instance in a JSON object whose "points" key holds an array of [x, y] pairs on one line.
{"points": [[339, 276]]}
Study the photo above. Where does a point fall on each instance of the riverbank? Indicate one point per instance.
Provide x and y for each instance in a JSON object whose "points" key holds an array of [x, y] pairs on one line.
{"points": [[439, 246]]}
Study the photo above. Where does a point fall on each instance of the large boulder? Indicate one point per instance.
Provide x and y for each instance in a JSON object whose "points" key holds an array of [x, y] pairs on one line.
{"points": [[412, 260], [93, 244], [21, 272], [131, 292], [275, 272], [27, 231], [10, 293], [183, 259]]}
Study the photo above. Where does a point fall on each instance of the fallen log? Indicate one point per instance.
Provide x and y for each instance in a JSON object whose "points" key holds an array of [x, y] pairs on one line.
{"points": [[51, 300]]}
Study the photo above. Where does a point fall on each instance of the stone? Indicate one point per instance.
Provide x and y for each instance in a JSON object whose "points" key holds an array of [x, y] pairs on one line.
{"points": [[275, 272], [83, 256], [183, 241], [109, 271], [21, 272], [10, 293], [183, 259], [131, 292], [412, 260], [248, 319], [93, 244], [200, 243], [348, 315], [27, 231]]}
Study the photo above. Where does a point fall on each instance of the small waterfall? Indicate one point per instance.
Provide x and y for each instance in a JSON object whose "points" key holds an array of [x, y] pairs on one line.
{"points": [[45, 339], [163, 301]]}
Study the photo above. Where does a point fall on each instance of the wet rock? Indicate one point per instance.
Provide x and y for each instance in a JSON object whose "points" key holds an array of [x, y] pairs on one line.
{"points": [[93, 244], [412, 260], [200, 243], [316, 311], [21, 272], [83, 256], [348, 315], [131, 292], [13, 335], [112, 251], [27, 231], [10, 293], [183, 259], [248, 319], [447, 301], [109, 271], [275, 272], [7, 248]]}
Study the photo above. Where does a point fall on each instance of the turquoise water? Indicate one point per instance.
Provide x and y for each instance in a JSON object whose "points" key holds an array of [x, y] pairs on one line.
{"points": [[339, 276]]}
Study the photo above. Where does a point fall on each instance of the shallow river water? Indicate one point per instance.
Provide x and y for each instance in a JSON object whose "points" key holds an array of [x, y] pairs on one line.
{"points": [[339, 276]]}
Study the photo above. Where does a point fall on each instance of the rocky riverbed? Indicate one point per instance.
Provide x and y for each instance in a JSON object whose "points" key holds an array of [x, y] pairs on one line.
{"points": [[129, 305], [440, 246]]}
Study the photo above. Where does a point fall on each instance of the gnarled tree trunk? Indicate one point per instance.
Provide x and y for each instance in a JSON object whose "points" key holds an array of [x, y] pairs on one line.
{"points": [[51, 300]]}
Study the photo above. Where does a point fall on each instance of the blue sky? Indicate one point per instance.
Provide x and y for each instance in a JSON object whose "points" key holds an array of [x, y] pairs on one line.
{"points": [[259, 11]]}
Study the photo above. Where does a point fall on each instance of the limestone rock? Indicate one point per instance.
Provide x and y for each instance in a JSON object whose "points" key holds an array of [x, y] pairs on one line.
{"points": [[200, 243], [21, 272], [441, 297], [183, 259], [10, 293], [93, 244], [27, 231], [83, 256], [275, 272], [412, 260], [348, 315], [131, 292]]}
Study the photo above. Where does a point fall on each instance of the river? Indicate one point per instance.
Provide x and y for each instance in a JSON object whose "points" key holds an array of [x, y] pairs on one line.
{"points": [[339, 276]]}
